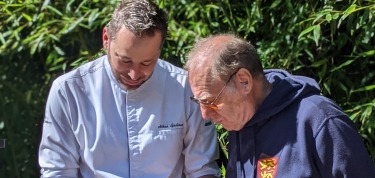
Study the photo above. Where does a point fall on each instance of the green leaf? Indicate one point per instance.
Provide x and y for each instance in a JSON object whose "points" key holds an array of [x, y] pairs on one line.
{"points": [[45, 4], [318, 17], [307, 30], [27, 17], [73, 25], [366, 88], [2, 39], [316, 33], [335, 16], [329, 17], [28, 96], [318, 63], [213, 6], [68, 5], [342, 86], [327, 87], [78, 9], [59, 50], [368, 53], [54, 37], [367, 112], [275, 4], [54, 10], [348, 62], [346, 13], [354, 115], [350, 9], [93, 16]]}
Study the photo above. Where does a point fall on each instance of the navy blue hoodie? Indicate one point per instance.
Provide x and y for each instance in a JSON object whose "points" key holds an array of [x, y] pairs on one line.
{"points": [[297, 132]]}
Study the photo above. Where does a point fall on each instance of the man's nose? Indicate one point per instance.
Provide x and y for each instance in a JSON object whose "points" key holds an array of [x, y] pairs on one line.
{"points": [[134, 72]]}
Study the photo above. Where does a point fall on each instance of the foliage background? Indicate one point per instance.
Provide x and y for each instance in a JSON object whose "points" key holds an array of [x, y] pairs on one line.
{"points": [[331, 41]]}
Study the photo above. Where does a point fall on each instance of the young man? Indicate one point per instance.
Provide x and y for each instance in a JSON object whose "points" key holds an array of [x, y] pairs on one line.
{"points": [[279, 124], [127, 114]]}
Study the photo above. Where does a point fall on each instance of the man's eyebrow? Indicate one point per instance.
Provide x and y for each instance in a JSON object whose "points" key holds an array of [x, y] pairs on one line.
{"points": [[149, 60], [122, 56], [204, 97]]}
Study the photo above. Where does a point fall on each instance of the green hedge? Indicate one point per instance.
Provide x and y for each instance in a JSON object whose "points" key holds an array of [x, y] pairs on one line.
{"points": [[331, 41]]}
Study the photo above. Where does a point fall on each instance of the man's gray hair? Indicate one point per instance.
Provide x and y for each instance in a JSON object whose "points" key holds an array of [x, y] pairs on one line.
{"points": [[236, 53]]}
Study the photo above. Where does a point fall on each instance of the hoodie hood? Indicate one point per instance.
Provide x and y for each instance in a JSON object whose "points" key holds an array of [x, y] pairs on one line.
{"points": [[286, 89]]}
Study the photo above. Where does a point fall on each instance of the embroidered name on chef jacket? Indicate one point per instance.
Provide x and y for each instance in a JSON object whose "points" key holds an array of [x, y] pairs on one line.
{"points": [[172, 125]]}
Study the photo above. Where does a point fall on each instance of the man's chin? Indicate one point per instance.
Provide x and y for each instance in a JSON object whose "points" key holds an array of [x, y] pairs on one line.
{"points": [[132, 87], [230, 127]]}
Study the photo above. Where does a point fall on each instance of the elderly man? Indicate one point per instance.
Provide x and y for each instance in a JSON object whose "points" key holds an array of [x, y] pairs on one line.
{"points": [[279, 124], [128, 113]]}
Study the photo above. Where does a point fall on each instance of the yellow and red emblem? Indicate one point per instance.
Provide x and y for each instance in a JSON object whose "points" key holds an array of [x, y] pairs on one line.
{"points": [[267, 167]]}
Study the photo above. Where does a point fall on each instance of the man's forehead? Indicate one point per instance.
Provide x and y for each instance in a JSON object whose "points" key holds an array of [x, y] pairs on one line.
{"points": [[200, 74], [202, 83]]}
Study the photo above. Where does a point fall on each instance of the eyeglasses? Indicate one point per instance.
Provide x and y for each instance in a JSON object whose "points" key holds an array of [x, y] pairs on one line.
{"points": [[212, 104]]}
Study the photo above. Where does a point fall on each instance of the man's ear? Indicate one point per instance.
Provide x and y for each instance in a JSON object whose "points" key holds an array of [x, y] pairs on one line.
{"points": [[244, 80], [105, 38]]}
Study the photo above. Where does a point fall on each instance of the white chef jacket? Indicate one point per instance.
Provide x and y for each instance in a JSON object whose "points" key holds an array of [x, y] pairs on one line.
{"points": [[94, 127]]}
